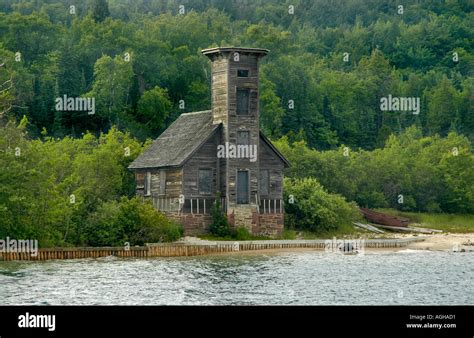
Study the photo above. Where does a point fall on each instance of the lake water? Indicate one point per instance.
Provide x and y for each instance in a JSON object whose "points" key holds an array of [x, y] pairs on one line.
{"points": [[309, 277]]}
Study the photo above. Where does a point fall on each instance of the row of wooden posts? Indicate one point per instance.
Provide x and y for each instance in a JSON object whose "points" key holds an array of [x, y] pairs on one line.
{"points": [[181, 249], [203, 205], [268, 206], [188, 205]]}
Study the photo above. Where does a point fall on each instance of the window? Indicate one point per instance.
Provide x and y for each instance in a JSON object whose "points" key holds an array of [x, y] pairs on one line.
{"points": [[243, 101], [205, 181], [148, 184], [162, 182], [243, 138], [242, 73], [264, 182]]}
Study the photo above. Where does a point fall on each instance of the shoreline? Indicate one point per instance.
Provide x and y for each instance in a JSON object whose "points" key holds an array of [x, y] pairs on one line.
{"points": [[447, 242], [192, 246]]}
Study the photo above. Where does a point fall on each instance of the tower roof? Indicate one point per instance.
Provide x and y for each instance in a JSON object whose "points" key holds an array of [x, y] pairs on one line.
{"points": [[209, 52]]}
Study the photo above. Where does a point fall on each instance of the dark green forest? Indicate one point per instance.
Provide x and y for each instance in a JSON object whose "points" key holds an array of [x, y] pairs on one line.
{"points": [[335, 102], [329, 65]]}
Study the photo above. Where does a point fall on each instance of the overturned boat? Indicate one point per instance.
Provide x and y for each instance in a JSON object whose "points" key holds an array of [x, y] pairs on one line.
{"points": [[384, 219]]}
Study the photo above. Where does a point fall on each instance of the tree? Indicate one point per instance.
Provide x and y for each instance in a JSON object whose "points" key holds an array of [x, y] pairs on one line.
{"points": [[112, 82], [466, 104], [271, 111], [430, 173], [16, 89], [6, 89], [301, 100], [442, 107], [100, 10], [153, 109]]}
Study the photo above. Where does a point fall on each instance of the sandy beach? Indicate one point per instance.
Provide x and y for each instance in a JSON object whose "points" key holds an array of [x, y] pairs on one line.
{"points": [[445, 242], [456, 242]]}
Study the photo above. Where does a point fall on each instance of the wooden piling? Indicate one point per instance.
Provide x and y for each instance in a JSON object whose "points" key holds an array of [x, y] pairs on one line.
{"points": [[183, 249]]}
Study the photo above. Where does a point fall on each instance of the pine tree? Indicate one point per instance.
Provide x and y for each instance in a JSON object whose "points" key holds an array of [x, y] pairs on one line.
{"points": [[100, 10]]}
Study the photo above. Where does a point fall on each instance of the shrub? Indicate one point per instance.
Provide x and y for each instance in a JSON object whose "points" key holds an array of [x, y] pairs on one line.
{"points": [[129, 220], [288, 234], [241, 234], [220, 225], [314, 208], [432, 173]]}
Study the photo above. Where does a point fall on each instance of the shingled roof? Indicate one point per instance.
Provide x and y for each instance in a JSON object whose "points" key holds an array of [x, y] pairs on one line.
{"points": [[182, 138]]}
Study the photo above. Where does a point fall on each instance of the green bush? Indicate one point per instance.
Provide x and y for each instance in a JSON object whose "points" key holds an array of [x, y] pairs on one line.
{"points": [[241, 234], [220, 225], [288, 234], [314, 208], [49, 192], [129, 220]]}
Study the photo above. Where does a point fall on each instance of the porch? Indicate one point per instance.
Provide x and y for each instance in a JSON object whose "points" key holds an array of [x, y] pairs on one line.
{"points": [[182, 205]]}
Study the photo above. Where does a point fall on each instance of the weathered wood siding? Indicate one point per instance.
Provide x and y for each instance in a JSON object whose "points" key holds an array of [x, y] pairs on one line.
{"points": [[248, 123], [174, 182], [219, 89], [273, 163], [204, 158]]}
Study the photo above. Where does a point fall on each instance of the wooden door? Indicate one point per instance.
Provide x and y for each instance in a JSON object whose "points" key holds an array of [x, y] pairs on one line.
{"points": [[242, 187]]}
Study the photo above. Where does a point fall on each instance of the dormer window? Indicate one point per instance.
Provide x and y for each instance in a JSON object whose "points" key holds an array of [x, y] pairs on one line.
{"points": [[242, 73], [243, 101]]}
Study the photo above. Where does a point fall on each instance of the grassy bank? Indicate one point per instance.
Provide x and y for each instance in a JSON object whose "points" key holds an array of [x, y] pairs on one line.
{"points": [[454, 223], [346, 230], [343, 231], [447, 222]]}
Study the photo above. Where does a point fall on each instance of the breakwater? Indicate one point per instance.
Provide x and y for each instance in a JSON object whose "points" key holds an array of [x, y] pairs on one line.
{"points": [[179, 249]]}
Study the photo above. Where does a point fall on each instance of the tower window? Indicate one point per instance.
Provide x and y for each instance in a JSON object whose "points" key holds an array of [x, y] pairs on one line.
{"points": [[243, 138], [243, 101], [242, 73]]}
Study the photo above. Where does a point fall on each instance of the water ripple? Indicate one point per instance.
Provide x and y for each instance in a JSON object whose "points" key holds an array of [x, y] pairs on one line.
{"points": [[286, 278]]}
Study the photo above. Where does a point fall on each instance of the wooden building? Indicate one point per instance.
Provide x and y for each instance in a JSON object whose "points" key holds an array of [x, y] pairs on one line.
{"points": [[218, 150]]}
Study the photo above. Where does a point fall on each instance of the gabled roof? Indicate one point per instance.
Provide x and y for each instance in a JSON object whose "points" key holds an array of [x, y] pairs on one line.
{"points": [[178, 142], [270, 144], [181, 139]]}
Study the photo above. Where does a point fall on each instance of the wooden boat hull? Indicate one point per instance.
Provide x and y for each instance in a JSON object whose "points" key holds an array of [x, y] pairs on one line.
{"points": [[384, 219]]}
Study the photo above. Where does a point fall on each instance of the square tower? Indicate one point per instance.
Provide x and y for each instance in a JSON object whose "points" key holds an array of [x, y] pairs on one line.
{"points": [[235, 104]]}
